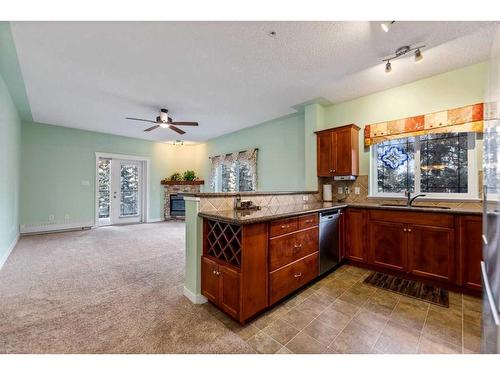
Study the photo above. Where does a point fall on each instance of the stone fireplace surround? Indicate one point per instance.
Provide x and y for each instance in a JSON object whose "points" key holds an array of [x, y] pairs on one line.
{"points": [[176, 187]]}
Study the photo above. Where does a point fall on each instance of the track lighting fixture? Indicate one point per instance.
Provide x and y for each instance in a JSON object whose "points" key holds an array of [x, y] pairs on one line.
{"points": [[401, 51], [386, 25]]}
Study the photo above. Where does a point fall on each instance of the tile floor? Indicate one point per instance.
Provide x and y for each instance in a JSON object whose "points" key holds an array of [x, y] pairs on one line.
{"points": [[341, 314]]}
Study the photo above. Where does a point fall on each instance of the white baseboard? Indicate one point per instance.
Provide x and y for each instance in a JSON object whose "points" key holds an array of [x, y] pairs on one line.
{"points": [[197, 299], [4, 258], [155, 219], [53, 227]]}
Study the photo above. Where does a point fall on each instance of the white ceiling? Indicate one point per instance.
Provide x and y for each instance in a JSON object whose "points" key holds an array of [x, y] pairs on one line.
{"points": [[225, 75]]}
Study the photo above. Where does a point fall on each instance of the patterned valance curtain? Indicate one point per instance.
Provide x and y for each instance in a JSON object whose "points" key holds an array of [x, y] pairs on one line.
{"points": [[242, 163], [464, 119], [248, 159]]}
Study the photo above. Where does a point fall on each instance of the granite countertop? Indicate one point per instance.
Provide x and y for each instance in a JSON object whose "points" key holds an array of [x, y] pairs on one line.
{"points": [[279, 212]]}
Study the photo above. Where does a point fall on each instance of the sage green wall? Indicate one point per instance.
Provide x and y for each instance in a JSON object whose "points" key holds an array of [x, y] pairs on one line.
{"points": [[280, 163], [452, 89], [55, 161], [10, 146]]}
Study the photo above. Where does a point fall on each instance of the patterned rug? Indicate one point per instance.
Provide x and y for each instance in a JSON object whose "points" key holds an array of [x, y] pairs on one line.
{"points": [[409, 288]]}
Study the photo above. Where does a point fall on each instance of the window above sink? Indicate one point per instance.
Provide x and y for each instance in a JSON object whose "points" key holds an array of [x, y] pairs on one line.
{"points": [[442, 166]]}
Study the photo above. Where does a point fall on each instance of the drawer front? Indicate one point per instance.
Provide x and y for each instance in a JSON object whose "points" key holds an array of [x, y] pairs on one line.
{"points": [[287, 279], [308, 221], [280, 227], [289, 248], [411, 217]]}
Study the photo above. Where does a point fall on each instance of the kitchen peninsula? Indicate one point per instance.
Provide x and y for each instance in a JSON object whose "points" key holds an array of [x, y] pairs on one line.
{"points": [[250, 260]]}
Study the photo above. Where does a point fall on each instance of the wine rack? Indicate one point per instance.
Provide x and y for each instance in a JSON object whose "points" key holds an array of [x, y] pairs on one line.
{"points": [[223, 242]]}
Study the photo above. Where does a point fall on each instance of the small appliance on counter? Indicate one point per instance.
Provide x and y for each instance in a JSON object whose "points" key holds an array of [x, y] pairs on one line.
{"points": [[243, 205], [327, 192]]}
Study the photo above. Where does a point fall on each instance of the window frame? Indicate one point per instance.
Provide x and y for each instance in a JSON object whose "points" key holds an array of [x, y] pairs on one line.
{"points": [[472, 175]]}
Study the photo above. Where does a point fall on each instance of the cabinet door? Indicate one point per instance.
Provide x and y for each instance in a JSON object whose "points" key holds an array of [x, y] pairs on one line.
{"points": [[229, 291], [324, 154], [388, 244], [431, 252], [210, 279], [355, 234], [471, 251], [342, 153]]}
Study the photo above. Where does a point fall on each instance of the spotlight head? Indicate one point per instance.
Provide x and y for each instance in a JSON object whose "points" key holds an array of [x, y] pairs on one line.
{"points": [[418, 55], [386, 25], [388, 67]]}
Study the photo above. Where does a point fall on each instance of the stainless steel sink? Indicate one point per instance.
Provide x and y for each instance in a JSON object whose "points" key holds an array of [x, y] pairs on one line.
{"points": [[419, 206]]}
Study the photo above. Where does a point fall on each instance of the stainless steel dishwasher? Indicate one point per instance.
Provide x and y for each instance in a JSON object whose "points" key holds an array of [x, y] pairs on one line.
{"points": [[329, 247]]}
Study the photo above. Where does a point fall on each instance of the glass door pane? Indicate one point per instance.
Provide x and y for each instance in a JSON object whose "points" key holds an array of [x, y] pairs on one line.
{"points": [[129, 189], [104, 173]]}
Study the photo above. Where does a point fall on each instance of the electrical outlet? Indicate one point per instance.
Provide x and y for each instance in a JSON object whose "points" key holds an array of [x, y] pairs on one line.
{"points": [[339, 190], [356, 190], [305, 198], [347, 191], [51, 217]]}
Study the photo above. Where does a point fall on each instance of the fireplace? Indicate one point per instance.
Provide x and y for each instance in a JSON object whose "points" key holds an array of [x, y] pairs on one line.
{"points": [[177, 205], [174, 207]]}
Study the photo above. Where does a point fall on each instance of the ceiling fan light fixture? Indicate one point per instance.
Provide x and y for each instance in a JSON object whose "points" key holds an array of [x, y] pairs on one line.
{"points": [[163, 115], [388, 67], [418, 56], [386, 25]]}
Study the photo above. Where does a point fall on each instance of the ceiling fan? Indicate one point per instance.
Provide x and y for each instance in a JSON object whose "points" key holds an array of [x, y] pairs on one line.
{"points": [[165, 122]]}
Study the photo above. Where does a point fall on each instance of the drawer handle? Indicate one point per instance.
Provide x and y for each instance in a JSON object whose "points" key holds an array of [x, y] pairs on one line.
{"points": [[285, 226], [297, 246], [309, 221], [299, 274]]}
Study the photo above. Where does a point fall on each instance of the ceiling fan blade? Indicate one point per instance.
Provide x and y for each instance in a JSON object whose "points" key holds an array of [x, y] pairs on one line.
{"points": [[176, 129], [139, 119], [184, 123], [152, 128]]}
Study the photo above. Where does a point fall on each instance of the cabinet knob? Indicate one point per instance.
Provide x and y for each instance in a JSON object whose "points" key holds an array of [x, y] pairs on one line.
{"points": [[297, 246], [404, 229], [298, 274], [409, 230], [285, 226]]}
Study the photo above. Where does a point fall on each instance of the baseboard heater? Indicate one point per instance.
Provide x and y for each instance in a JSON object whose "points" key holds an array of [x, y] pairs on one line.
{"points": [[53, 227]]}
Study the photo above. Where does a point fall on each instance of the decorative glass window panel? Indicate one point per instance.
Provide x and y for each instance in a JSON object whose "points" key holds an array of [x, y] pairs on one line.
{"points": [[234, 172], [129, 186], [395, 165], [438, 165]]}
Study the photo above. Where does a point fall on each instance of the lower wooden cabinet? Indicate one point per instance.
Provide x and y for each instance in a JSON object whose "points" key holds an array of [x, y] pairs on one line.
{"points": [[388, 245], [291, 277], [431, 252], [471, 251], [210, 279], [355, 234]]}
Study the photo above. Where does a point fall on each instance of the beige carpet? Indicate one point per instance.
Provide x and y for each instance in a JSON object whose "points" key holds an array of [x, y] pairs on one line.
{"points": [[107, 290]]}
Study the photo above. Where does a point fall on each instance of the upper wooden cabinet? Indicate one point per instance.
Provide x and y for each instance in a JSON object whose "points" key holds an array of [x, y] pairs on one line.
{"points": [[338, 151]]}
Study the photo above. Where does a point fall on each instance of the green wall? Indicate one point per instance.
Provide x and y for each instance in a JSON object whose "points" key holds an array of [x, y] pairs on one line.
{"points": [[452, 89], [57, 162], [10, 146], [280, 162]]}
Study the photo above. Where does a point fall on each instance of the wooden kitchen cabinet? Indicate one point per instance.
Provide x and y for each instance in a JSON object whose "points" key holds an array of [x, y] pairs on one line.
{"points": [[355, 241], [421, 244], [431, 252], [234, 267], [388, 245], [338, 151], [471, 251]]}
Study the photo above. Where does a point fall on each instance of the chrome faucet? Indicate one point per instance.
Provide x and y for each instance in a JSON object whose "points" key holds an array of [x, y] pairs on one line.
{"points": [[409, 199]]}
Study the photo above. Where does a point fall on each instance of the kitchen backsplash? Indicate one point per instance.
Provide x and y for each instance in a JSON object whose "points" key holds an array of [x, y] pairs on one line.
{"points": [[362, 182], [211, 204]]}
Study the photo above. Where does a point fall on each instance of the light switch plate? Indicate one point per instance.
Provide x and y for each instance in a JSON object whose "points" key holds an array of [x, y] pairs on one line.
{"points": [[305, 198], [356, 190]]}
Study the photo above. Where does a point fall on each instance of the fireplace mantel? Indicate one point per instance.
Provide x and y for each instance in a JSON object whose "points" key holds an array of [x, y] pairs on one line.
{"points": [[182, 183]]}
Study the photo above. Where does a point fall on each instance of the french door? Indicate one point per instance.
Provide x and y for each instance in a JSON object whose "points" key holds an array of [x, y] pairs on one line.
{"points": [[119, 192]]}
